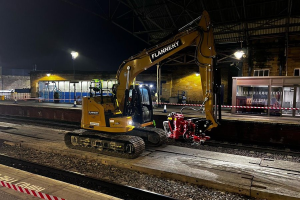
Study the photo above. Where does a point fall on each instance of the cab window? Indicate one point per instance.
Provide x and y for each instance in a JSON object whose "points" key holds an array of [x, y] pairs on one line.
{"points": [[145, 96]]}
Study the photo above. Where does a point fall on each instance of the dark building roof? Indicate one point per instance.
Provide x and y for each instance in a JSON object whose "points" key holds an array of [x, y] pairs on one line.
{"points": [[234, 20]]}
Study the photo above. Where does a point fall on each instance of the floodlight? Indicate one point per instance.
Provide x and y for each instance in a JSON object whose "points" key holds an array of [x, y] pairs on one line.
{"points": [[74, 55], [239, 54]]}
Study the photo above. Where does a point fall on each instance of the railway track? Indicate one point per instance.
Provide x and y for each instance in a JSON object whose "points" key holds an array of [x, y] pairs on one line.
{"points": [[254, 148], [81, 180], [40, 122], [288, 151]]}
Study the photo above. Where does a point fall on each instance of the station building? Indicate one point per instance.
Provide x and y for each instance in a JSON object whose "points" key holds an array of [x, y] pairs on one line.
{"points": [[175, 81], [270, 78], [45, 83]]}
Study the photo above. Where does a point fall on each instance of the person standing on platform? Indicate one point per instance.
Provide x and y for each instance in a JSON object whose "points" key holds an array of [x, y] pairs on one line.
{"points": [[183, 99]]}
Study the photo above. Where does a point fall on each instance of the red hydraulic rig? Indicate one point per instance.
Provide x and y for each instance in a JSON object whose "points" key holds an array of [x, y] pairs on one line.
{"points": [[191, 129]]}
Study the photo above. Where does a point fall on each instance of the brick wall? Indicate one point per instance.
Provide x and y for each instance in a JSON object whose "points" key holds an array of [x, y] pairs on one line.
{"points": [[185, 79], [293, 60], [14, 82], [176, 79], [224, 82], [270, 54]]}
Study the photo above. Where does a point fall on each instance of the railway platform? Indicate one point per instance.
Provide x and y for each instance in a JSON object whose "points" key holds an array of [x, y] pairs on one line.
{"points": [[226, 114], [18, 184], [255, 177]]}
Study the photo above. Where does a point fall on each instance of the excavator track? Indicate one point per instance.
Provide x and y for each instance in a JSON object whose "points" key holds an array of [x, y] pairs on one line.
{"points": [[117, 145], [152, 136]]}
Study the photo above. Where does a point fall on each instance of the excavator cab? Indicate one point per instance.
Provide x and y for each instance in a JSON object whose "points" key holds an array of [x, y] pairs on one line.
{"points": [[139, 104]]}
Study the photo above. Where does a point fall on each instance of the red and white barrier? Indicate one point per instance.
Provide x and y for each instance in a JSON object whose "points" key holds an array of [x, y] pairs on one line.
{"points": [[180, 104], [226, 106], [30, 192]]}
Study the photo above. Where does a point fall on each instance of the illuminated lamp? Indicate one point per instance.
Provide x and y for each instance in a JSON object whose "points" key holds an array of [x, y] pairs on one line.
{"points": [[74, 55], [239, 54]]}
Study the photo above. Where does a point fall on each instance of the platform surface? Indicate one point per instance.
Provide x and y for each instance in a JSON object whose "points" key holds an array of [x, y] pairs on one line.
{"points": [[41, 104], [226, 114], [256, 177], [44, 185]]}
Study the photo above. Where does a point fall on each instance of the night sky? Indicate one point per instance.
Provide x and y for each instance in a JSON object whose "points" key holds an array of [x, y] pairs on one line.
{"points": [[44, 32]]}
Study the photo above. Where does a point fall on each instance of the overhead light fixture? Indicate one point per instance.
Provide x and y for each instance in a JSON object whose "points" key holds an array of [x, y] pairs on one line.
{"points": [[197, 74], [151, 86], [239, 54], [48, 75], [74, 54]]}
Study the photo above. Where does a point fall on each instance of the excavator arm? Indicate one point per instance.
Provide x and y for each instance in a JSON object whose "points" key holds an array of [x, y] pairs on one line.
{"points": [[200, 36]]}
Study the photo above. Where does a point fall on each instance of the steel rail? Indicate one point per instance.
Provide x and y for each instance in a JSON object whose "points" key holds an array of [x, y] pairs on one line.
{"points": [[35, 121], [272, 150]]}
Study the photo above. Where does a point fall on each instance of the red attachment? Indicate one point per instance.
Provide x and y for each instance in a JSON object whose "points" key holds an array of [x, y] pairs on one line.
{"points": [[186, 129]]}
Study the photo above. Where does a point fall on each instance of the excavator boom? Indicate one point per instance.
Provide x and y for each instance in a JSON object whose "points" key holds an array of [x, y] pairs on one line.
{"points": [[200, 36]]}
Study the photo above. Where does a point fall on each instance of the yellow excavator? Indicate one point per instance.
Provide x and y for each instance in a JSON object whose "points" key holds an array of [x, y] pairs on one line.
{"points": [[118, 125]]}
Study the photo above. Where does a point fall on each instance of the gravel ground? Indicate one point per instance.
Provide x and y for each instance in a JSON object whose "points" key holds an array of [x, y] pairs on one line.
{"points": [[171, 188], [175, 189]]}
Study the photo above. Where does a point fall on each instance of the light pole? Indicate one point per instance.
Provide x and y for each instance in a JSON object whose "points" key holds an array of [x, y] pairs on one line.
{"points": [[74, 56]]}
